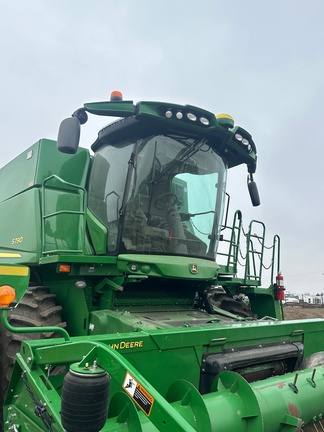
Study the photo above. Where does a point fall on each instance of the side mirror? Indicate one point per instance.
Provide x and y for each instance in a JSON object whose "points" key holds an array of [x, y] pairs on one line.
{"points": [[69, 135], [254, 193]]}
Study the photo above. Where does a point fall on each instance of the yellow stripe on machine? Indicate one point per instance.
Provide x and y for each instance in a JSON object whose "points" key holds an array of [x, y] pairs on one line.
{"points": [[14, 271], [9, 255]]}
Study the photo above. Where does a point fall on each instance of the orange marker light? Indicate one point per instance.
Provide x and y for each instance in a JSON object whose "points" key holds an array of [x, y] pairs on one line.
{"points": [[7, 295], [64, 268], [116, 96]]}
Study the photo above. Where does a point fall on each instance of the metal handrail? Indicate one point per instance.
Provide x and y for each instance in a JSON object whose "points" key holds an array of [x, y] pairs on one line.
{"points": [[64, 186]]}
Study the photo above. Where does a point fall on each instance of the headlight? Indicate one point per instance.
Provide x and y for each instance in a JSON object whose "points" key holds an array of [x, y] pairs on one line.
{"points": [[192, 117], [204, 121], [238, 137]]}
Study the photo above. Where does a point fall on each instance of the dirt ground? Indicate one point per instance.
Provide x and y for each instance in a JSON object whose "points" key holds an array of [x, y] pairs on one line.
{"points": [[298, 312]]}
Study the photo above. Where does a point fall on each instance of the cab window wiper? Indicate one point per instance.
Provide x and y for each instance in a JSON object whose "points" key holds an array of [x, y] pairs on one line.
{"points": [[184, 155]]}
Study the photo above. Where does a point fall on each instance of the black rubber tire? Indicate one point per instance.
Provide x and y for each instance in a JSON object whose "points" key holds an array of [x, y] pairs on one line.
{"points": [[37, 308]]}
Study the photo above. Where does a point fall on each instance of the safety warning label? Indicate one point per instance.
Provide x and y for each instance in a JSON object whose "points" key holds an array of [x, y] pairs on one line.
{"points": [[138, 393]]}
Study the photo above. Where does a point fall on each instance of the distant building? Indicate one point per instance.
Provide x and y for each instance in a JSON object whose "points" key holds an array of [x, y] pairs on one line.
{"points": [[315, 299]]}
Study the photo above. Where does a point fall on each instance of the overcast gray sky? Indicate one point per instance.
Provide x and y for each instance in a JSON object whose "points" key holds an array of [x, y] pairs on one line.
{"points": [[260, 61]]}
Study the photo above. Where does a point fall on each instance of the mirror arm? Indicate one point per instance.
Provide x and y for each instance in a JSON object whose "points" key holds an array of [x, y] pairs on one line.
{"points": [[81, 115]]}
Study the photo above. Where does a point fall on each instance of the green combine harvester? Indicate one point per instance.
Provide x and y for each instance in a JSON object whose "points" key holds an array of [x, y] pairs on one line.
{"points": [[123, 308]]}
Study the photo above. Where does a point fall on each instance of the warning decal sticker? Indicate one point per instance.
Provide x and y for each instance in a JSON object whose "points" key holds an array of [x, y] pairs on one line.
{"points": [[138, 393]]}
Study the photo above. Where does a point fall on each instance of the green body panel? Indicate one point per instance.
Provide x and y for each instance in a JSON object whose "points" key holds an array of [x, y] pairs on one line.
{"points": [[262, 300], [163, 266], [21, 235], [53, 210], [116, 109], [39, 162], [98, 234]]}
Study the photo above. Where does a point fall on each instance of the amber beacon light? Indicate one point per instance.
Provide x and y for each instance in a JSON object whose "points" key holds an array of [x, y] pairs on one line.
{"points": [[7, 295]]}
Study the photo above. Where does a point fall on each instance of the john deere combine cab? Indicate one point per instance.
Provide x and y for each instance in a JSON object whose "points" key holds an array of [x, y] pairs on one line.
{"points": [[122, 305]]}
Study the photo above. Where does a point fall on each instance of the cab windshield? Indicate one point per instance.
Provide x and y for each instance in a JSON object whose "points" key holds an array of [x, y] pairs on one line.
{"points": [[160, 195]]}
